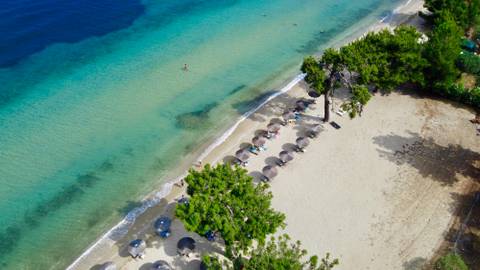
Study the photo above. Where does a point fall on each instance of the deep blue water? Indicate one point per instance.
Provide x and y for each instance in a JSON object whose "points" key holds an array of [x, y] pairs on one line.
{"points": [[29, 26]]}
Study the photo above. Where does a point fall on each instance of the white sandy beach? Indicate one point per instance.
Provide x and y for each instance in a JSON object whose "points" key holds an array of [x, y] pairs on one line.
{"points": [[378, 193]]}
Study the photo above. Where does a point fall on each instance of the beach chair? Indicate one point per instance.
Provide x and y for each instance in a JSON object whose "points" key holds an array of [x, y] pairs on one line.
{"points": [[335, 125], [254, 150]]}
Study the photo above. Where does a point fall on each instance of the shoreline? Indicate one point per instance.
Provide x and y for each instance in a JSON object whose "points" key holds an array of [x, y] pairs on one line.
{"points": [[169, 191]]}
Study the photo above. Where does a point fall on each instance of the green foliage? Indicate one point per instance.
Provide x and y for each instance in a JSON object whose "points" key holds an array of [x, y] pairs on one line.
{"points": [[212, 263], [469, 62], [465, 13], [332, 60], [281, 254], [223, 199], [315, 75], [451, 261], [442, 52], [459, 93], [360, 97], [387, 59]]}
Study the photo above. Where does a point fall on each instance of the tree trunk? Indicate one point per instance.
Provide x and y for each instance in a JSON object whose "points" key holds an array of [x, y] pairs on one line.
{"points": [[326, 117]]}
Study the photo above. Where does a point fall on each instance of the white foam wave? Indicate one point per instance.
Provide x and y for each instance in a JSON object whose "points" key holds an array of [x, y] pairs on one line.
{"points": [[229, 132], [123, 226]]}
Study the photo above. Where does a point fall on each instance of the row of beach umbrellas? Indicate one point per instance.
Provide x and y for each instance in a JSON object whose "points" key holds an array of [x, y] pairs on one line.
{"points": [[137, 247], [158, 265], [186, 245], [285, 156], [258, 141]]}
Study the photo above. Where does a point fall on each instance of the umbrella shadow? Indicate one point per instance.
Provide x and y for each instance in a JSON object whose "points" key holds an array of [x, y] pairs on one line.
{"points": [[301, 130], [245, 145], [277, 121], [258, 177], [229, 160], [417, 263], [261, 132], [290, 147], [273, 161], [146, 266], [96, 267], [186, 263]]}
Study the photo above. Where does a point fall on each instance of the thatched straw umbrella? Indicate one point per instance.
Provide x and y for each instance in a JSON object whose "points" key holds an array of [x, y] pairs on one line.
{"points": [[242, 155], [161, 265], [302, 142], [301, 105], [270, 172], [273, 127], [313, 94], [313, 131], [285, 156], [185, 245], [259, 141], [162, 226], [287, 116], [137, 247], [108, 266]]}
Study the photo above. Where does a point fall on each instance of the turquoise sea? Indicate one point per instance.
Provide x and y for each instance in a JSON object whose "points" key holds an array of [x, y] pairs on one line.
{"points": [[90, 123]]}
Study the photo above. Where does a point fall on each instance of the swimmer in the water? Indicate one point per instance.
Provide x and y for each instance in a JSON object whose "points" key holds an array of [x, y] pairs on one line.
{"points": [[185, 67]]}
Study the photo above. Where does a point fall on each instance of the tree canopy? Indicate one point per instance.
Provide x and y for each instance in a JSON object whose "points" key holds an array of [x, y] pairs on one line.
{"points": [[285, 255], [442, 52], [451, 261], [224, 199], [465, 13], [385, 59], [278, 254]]}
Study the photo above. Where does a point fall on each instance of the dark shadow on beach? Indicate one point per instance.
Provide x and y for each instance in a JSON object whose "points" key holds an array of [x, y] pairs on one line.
{"points": [[417, 263], [229, 160], [465, 229], [290, 147], [258, 177], [441, 163], [273, 161]]}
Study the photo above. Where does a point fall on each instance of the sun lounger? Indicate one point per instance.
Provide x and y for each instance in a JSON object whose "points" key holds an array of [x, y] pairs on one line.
{"points": [[253, 150], [335, 125], [340, 112]]}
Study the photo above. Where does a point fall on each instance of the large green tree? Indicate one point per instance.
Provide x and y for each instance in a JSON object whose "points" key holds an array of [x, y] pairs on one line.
{"points": [[278, 254], [442, 51], [323, 75], [223, 199], [285, 255], [316, 78], [360, 97], [385, 59], [465, 12]]}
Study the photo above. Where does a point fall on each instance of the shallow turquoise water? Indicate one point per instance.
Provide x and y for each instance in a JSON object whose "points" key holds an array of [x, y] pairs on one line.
{"points": [[91, 127]]}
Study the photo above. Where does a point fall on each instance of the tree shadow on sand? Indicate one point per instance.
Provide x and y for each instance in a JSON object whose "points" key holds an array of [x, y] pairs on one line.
{"points": [[417, 263], [441, 163]]}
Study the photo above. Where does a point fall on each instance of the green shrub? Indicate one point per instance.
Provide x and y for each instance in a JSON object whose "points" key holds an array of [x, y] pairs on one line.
{"points": [[458, 93], [469, 62], [451, 261]]}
